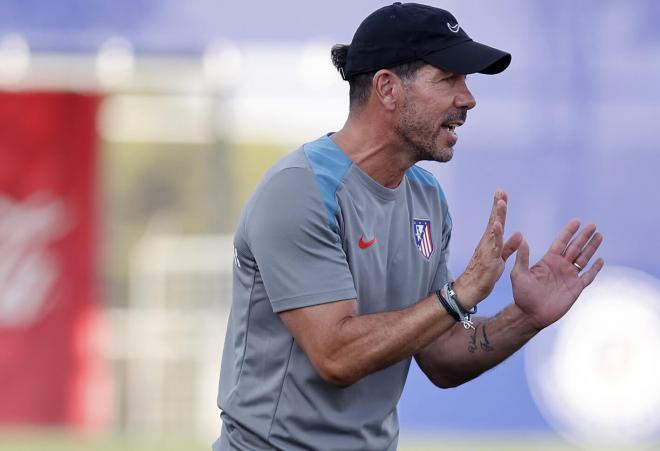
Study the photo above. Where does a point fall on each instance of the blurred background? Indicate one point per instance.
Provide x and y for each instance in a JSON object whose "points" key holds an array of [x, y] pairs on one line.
{"points": [[132, 133]]}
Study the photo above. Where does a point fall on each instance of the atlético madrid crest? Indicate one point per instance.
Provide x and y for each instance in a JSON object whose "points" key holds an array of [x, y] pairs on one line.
{"points": [[422, 231]]}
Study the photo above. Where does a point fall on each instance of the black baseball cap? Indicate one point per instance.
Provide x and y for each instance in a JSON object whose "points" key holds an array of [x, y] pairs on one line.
{"points": [[405, 32]]}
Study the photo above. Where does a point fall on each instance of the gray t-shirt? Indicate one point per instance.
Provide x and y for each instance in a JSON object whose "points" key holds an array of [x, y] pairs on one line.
{"points": [[316, 230]]}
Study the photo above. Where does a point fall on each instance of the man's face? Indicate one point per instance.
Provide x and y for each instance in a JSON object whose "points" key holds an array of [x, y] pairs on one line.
{"points": [[436, 102]]}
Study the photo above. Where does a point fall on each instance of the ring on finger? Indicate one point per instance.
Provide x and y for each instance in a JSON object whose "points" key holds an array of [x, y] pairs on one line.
{"points": [[579, 268]]}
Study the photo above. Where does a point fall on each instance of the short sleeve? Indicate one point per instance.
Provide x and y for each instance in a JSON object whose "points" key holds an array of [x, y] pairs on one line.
{"points": [[298, 255], [443, 274]]}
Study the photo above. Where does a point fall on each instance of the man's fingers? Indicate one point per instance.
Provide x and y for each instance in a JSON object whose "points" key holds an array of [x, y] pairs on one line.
{"points": [[559, 244], [493, 236], [511, 245], [492, 242], [522, 257], [500, 212], [575, 247], [589, 250], [588, 276], [499, 207]]}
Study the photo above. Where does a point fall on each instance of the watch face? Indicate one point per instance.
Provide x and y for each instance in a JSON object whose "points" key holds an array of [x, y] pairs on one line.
{"points": [[595, 374]]}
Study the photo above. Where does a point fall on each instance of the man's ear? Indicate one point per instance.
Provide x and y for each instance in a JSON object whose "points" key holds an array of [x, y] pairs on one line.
{"points": [[387, 89]]}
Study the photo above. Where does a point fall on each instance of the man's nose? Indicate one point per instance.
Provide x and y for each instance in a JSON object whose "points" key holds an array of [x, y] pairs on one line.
{"points": [[464, 98]]}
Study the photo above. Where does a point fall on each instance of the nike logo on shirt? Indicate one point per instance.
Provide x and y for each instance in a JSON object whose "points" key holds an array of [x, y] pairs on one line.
{"points": [[365, 244]]}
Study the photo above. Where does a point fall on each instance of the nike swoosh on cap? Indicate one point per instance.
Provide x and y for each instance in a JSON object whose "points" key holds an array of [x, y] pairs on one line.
{"points": [[453, 28]]}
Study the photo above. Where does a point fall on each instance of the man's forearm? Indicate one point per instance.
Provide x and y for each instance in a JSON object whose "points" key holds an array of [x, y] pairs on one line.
{"points": [[460, 355], [367, 343]]}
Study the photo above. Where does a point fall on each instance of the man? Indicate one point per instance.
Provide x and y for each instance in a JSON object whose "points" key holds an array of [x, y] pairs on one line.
{"points": [[341, 271]]}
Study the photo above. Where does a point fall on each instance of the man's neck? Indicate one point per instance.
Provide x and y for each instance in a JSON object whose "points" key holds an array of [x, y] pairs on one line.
{"points": [[375, 150]]}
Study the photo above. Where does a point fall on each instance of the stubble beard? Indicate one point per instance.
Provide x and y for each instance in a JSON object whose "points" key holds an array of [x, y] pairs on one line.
{"points": [[421, 136]]}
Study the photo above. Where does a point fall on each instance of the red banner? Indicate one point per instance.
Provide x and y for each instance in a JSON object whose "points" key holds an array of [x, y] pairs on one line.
{"points": [[48, 267]]}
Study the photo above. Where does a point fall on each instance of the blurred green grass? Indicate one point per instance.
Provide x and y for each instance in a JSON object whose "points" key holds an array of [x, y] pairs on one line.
{"points": [[57, 441]]}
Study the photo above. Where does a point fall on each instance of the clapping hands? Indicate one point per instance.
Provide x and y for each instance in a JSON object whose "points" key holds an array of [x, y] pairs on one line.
{"points": [[547, 290]]}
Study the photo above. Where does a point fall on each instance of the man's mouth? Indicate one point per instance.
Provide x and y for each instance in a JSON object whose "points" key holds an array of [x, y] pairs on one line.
{"points": [[451, 126]]}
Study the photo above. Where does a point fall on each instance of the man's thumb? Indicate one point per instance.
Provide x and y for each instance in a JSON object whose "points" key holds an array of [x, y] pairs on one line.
{"points": [[511, 245], [522, 257]]}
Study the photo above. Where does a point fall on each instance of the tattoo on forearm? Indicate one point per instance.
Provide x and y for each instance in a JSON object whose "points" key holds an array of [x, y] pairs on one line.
{"points": [[472, 345], [484, 343]]}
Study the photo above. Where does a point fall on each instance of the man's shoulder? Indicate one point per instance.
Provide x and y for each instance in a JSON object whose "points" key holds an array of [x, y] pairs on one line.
{"points": [[420, 176], [308, 176], [321, 157], [289, 173], [292, 160]]}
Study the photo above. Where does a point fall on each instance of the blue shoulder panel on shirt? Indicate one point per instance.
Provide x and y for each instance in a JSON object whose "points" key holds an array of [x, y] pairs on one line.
{"points": [[329, 165], [424, 177]]}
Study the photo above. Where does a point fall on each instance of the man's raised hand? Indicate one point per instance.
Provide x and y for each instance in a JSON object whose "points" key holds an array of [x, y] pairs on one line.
{"points": [[547, 290], [487, 262]]}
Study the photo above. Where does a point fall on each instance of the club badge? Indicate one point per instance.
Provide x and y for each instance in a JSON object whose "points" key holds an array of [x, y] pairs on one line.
{"points": [[422, 233]]}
